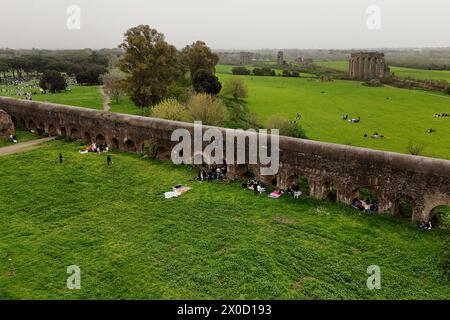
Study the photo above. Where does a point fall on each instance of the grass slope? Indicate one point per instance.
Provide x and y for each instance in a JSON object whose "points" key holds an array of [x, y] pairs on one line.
{"points": [[216, 241]]}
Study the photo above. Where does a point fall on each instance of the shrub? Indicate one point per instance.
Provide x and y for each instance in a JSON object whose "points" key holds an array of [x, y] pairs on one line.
{"points": [[264, 72], [243, 71], [236, 88], [169, 109], [286, 127], [415, 148], [373, 83], [447, 91], [150, 148], [206, 108], [53, 81]]}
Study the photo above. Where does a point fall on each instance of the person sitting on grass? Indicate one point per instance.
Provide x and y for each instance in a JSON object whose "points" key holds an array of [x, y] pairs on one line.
{"points": [[296, 191], [260, 189], [426, 225], [13, 139], [210, 176]]}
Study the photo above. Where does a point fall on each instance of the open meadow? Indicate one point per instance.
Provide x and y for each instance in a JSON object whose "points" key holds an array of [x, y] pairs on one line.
{"points": [[216, 241], [401, 115]]}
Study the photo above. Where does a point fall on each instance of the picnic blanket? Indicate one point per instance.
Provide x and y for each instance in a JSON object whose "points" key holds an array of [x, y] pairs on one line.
{"points": [[181, 189], [171, 194], [177, 191], [275, 194]]}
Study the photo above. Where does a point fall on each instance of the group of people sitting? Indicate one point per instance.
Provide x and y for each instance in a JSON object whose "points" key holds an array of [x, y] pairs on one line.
{"points": [[259, 188], [254, 185], [103, 147], [375, 135], [368, 205], [353, 120], [37, 131], [214, 172], [426, 225], [438, 115]]}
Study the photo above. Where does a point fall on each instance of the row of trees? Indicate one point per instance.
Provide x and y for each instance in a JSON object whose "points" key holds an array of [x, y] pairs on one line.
{"points": [[85, 67], [256, 71], [243, 71]]}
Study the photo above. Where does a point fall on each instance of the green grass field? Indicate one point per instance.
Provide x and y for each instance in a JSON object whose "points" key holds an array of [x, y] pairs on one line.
{"points": [[80, 96], [214, 242], [400, 115], [125, 105], [398, 71]]}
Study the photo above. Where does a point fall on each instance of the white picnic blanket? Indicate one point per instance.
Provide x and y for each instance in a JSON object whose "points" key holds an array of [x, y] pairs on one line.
{"points": [[171, 194]]}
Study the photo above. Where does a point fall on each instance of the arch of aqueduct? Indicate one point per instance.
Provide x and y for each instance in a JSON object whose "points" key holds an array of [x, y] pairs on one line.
{"points": [[389, 176]]}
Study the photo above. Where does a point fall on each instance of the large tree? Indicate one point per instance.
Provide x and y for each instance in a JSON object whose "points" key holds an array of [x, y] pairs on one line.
{"points": [[204, 81], [199, 56], [150, 63], [53, 81]]}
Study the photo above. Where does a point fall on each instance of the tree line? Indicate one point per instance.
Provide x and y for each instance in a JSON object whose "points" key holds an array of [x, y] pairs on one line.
{"points": [[86, 67]]}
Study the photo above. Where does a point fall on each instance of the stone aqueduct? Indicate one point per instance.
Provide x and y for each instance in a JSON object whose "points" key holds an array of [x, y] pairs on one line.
{"points": [[390, 177]]}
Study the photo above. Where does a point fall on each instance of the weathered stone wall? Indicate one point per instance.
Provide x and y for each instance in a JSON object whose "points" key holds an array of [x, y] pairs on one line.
{"points": [[6, 124], [389, 176]]}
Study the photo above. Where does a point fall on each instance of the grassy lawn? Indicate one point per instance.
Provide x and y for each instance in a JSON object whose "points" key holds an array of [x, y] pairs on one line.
{"points": [[125, 105], [79, 96], [214, 242], [21, 135], [398, 114], [398, 71]]}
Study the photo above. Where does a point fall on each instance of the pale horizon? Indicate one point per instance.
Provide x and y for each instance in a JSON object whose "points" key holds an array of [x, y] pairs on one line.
{"points": [[234, 25]]}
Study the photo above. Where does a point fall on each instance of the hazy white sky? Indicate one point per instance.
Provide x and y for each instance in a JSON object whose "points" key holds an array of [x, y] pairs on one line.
{"points": [[226, 24]]}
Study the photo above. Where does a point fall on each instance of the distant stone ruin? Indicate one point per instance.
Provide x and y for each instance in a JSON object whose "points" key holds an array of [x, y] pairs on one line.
{"points": [[280, 58], [245, 58], [6, 124], [368, 65], [304, 61]]}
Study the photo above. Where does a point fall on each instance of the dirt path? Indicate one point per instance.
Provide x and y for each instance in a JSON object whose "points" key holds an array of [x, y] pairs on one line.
{"points": [[106, 99], [20, 147]]}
